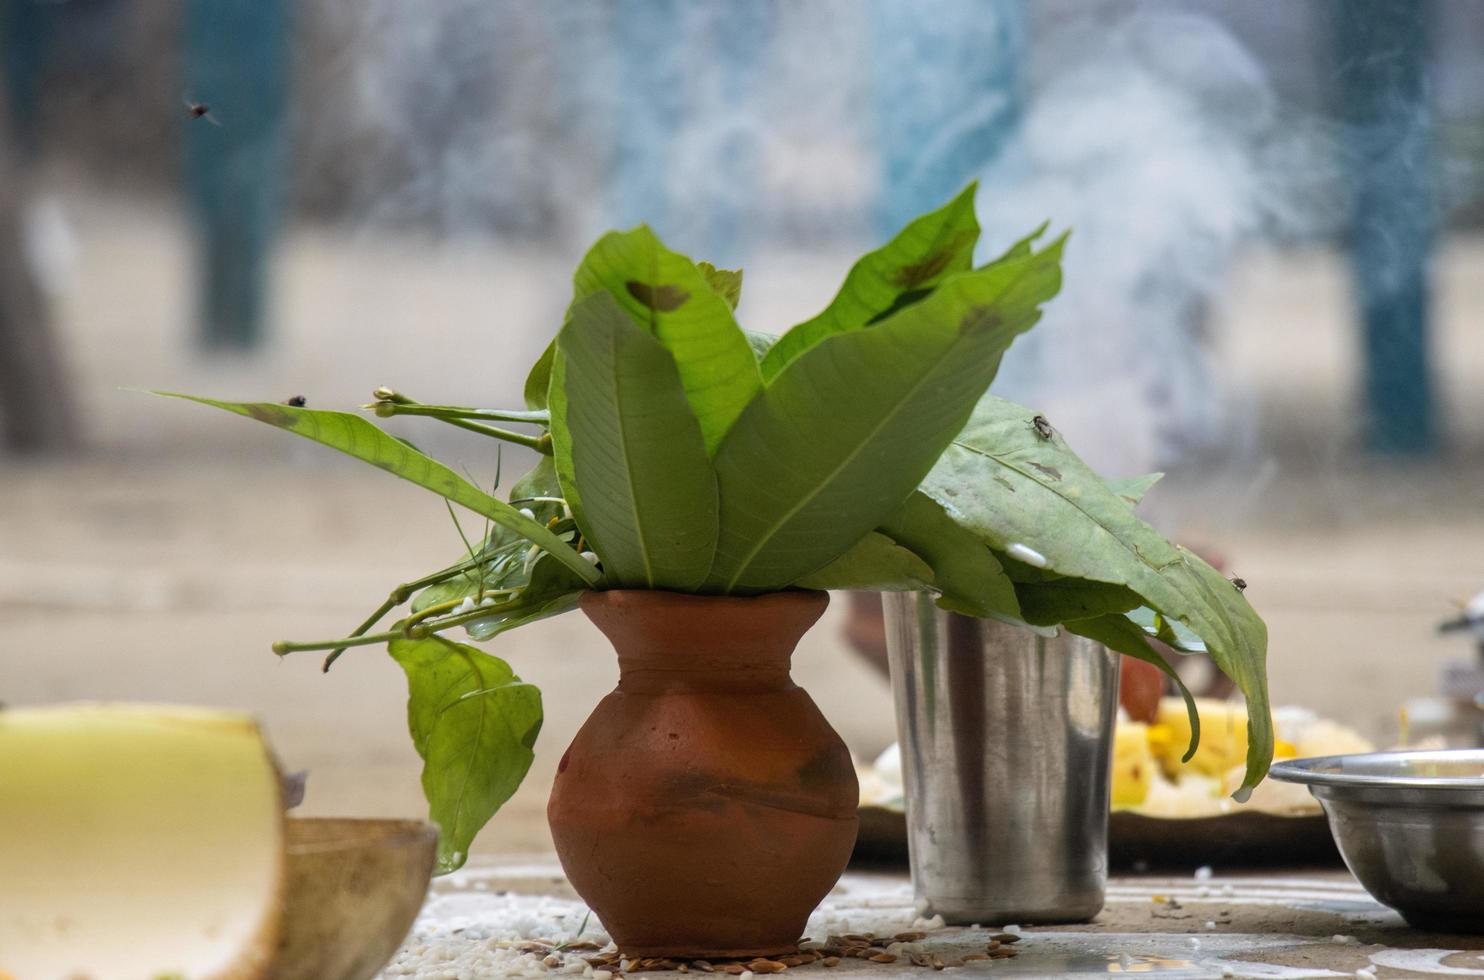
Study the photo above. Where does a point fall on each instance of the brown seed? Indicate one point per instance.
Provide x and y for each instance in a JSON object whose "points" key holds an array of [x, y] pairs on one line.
{"points": [[766, 966], [734, 969], [883, 957], [797, 960], [976, 956], [1005, 937], [909, 937], [683, 968], [1003, 953], [703, 966], [831, 961]]}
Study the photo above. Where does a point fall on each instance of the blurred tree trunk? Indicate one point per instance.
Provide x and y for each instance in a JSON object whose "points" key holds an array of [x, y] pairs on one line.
{"points": [[36, 412]]}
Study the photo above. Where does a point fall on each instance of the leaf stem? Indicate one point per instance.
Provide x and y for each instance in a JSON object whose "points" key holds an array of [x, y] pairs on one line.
{"points": [[439, 609], [283, 647], [389, 403], [400, 595], [410, 407], [541, 443], [426, 627], [391, 603]]}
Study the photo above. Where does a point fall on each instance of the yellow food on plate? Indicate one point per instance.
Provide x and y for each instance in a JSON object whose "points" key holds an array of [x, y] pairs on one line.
{"points": [[1223, 736], [1150, 778], [1133, 764]]}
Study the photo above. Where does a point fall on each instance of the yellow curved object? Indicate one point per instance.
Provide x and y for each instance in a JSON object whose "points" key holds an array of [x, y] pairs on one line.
{"points": [[137, 842]]}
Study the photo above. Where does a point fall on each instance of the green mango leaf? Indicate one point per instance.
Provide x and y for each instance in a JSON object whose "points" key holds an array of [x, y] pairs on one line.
{"points": [[1168, 631], [561, 439], [670, 298], [356, 437], [1005, 482], [760, 343], [539, 379], [837, 442], [502, 567], [726, 282], [1058, 601], [1021, 248], [1133, 489], [966, 576], [505, 554], [549, 590], [875, 563], [637, 457], [1018, 571], [539, 481], [1120, 635], [474, 723], [922, 255]]}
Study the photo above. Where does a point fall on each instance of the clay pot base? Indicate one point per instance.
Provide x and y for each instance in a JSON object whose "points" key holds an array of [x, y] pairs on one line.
{"points": [[867, 949], [690, 955]]}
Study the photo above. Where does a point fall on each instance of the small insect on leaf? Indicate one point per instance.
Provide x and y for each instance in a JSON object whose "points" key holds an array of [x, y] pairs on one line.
{"points": [[200, 110], [296, 401], [1043, 427], [1240, 583]]}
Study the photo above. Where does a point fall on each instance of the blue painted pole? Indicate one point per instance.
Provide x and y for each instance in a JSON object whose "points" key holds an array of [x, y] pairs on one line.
{"points": [[948, 79], [1380, 47], [237, 62], [740, 43], [651, 109]]}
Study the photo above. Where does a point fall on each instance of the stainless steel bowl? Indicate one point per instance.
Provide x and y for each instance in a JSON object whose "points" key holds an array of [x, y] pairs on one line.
{"points": [[1410, 826]]}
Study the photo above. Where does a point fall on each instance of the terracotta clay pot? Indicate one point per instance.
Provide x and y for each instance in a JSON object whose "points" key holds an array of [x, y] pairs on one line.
{"points": [[706, 807]]}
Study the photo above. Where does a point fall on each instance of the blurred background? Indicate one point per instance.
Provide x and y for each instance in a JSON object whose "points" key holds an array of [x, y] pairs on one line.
{"points": [[1274, 293]]}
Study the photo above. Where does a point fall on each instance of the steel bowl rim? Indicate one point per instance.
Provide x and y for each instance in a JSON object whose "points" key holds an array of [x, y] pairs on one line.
{"points": [[1310, 771]]}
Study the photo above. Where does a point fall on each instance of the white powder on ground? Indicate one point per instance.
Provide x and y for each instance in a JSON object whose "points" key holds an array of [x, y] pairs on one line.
{"points": [[466, 932]]}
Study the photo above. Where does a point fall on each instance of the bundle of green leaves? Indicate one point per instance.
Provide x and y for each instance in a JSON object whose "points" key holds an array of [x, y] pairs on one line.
{"points": [[857, 451]]}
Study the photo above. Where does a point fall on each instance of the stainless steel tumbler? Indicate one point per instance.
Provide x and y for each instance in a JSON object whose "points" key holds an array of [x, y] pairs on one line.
{"points": [[1006, 740]]}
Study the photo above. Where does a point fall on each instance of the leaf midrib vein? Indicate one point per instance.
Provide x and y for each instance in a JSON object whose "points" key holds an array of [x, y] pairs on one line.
{"points": [[804, 501], [1212, 613]]}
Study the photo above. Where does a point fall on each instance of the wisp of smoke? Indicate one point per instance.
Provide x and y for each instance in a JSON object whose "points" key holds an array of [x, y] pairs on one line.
{"points": [[1153, 141]]}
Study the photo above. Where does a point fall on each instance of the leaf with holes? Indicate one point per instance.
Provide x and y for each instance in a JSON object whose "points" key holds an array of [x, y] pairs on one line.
{"points": [[726, 282], [922, 255], [836, 443], [1005, 482], [671, 299]]}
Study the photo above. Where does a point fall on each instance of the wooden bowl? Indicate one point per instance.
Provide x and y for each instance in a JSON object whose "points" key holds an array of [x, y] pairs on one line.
{"points": [[354, 890]]}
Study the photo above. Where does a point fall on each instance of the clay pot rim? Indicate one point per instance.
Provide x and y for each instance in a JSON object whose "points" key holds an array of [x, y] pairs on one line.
{"points": [[643, 597]]}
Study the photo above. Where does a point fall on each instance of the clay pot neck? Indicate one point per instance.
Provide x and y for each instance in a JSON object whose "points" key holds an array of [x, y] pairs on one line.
{"points": [[669, 641]]}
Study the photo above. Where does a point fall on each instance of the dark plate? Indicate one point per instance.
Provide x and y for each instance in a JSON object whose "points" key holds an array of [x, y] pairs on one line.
{"points": [[1247, 839]]}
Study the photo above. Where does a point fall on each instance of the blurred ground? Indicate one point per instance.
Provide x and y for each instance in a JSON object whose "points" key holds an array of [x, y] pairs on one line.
{"points": [[162, 565]]}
